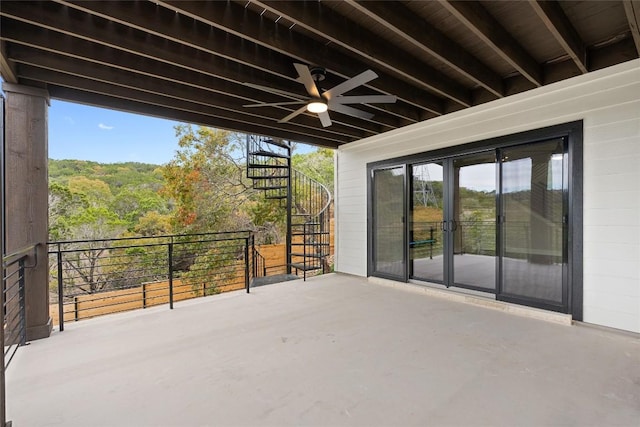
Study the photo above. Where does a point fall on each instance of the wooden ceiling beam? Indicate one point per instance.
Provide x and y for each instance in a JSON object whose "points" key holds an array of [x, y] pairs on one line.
{"points": [[31, 61], [480, 22], [125, 40], [7, 67], [136, 107], [103, 88], [66, 47], [397, 18], [632, 10], [232, 27], [182, 56], [372, 49], [554, 18]]}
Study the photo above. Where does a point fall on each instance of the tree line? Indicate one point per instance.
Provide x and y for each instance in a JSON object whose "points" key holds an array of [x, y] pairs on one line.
{"points": [[202, 189]]}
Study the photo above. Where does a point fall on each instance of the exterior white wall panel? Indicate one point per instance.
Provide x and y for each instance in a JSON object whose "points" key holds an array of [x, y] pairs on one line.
{"points": [[608, 102]]}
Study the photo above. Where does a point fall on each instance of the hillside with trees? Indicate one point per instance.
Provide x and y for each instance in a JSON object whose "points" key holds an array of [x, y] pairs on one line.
{"points": [[202, 189]]}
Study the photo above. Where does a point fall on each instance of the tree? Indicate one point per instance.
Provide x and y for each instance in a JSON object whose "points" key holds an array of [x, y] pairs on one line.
{"points": [[96, 191], [131, 204], [317, 165], [206, 181], [63, 204], [153, 224], [84, 271]]}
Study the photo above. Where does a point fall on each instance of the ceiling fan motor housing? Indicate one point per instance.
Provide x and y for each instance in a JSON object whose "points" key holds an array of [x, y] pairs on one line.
{"points": [[318, 73]]}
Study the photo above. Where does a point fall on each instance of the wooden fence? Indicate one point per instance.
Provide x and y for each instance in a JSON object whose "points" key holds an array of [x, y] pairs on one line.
{"points": [[157, 293]]}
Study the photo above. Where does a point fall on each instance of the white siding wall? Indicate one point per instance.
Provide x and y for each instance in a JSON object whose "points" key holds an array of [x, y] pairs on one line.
{"points": [[609, 103]]}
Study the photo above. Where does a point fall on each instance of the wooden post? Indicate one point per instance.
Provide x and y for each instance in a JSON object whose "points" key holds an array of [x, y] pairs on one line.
{"points": [[144, 295], [26, 194]]}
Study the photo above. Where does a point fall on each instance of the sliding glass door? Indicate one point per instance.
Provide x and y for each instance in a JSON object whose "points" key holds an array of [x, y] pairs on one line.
{"points": [[533, 212], [388, 220], [473, 221], [496, 220], [452, 231], [426, 227]]}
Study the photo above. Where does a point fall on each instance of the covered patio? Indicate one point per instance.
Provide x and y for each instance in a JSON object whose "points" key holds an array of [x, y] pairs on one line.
{"points": [[469, 78], [335, 350]]}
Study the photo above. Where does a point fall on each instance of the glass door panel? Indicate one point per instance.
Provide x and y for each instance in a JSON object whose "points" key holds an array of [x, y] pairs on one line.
{"points": [[426, 236], [389, 243], [474, 221], [533, 209]]}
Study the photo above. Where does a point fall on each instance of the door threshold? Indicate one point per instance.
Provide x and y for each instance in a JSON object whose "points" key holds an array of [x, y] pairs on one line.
{"points": [[476, 298]]}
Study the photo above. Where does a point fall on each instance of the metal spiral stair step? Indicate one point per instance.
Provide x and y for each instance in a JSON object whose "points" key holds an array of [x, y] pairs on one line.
{"points": [[303, 267], [263, 166], [264, 153], [253, 174], [277, 143], [273, 187], [265, 177], [307, 255]]}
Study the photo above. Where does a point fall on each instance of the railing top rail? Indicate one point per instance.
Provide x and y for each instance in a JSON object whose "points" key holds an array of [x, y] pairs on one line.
{"points": [[147, 245], [19, 254], [245, 233]]}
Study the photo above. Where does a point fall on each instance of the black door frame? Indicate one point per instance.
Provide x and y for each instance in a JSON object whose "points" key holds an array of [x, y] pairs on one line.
{"points": [[371, 224], [565, 305], [573, 131], [448, 224]]}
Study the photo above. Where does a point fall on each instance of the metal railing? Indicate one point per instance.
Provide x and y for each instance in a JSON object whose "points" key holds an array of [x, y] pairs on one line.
{"points": [[478, 237], [259, 264], [13, 300], [308, 203], [310, 225], [13, 316], [97, 277]]}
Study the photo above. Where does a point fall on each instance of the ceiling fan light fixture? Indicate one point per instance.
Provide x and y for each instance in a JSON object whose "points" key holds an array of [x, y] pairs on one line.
{"points": [[317, 106]]}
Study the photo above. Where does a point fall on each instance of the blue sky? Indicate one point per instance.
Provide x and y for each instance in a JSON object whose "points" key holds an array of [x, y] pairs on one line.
{"points": [[107, 136], [88, 133]]}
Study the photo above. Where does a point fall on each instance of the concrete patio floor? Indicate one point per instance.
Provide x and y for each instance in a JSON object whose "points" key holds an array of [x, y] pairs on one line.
{"points": [[334, 350]]}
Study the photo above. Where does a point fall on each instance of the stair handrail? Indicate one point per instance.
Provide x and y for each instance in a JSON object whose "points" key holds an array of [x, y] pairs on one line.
{"points": [[324, 187]]}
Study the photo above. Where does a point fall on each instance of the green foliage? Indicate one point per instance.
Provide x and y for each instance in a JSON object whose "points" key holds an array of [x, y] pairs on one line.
{"points": [[203, 189], [112, 197], [269, 220], [95, 222], [115, 175], [131, 204], [210, 270], [63, 204], [317, 165], [153, 224], [206, 181]]}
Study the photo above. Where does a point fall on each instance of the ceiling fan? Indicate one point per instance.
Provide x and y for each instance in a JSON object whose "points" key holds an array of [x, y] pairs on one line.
{"points": [[321, 101]]}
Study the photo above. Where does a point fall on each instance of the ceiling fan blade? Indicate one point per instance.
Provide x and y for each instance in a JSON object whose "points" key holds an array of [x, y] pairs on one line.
{"points": [[350, 111], [292, 115], [364, 99], [324, 119], [275, 104], [352, 83], [306, 79], [276, 91]]}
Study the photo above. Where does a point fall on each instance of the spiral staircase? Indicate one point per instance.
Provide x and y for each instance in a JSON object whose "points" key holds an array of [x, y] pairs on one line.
{"points": [[307, 203]]}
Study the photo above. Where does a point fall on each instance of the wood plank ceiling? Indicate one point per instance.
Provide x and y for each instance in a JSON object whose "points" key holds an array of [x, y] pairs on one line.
{"points": [[191, 60]]}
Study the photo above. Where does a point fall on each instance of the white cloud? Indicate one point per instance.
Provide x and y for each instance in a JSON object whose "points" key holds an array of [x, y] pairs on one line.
{"points": [[105, 127], [69, 120]]}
